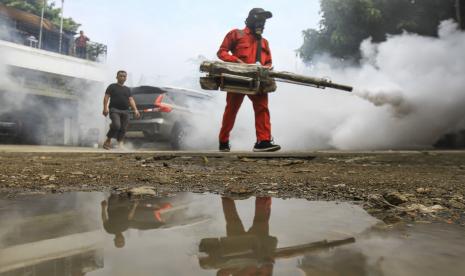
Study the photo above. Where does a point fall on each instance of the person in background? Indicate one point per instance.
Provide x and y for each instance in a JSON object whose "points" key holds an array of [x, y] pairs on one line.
{"points": [[81, 45], [116, 103]]}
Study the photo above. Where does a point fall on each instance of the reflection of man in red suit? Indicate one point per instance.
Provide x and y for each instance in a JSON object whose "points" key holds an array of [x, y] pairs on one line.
{"points": [[248, 46], [242, 252]]}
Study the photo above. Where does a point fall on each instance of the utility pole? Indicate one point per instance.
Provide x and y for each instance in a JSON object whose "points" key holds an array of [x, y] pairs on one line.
{"points": [[61, 27], [42, 23]]}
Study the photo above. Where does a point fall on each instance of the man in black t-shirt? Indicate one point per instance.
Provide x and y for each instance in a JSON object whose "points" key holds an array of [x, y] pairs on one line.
{"points": [[120, 98]]}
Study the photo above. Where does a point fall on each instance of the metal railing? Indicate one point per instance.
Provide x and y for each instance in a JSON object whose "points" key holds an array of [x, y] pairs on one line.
{"points": [[94, 51]]}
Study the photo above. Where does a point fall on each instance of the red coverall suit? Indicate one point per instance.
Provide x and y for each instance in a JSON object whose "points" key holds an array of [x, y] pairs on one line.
{"points": [[243, 45]]}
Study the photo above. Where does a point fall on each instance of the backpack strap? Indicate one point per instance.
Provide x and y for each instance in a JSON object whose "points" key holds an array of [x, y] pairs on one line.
{"points": [[258, 57]]}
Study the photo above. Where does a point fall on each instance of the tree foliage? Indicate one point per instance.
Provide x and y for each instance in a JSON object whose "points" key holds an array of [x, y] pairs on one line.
{"points": [[51, 12], [346, 23]]}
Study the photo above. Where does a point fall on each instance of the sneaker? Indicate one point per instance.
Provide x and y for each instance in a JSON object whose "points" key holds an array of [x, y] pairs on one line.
{"points": [[225, 147], [265, 146]]}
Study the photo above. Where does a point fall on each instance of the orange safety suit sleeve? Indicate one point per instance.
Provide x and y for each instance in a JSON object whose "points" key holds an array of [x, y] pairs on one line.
{"points": [[227, 46]]}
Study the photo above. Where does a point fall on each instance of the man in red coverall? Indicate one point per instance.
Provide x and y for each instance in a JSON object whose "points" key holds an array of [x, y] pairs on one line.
{"points": [[248, 46]]}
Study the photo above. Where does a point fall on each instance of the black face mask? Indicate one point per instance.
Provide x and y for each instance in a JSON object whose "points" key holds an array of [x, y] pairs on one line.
{"points": [[259, 27], [256, 23]]}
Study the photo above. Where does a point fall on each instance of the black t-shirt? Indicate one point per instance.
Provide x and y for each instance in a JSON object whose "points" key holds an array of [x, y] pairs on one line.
{"points": [[119, 96]]}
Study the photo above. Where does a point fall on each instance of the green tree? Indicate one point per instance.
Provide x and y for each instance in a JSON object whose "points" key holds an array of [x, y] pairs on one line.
{"points": [[346, 23], [51, 12]]}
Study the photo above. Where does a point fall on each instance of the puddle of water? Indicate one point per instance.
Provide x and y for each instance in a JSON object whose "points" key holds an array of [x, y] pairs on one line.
{"points": [[192, 234]]}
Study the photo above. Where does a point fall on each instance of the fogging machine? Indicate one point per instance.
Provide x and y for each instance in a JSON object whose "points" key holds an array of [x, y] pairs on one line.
{"points": [[254, 79]]}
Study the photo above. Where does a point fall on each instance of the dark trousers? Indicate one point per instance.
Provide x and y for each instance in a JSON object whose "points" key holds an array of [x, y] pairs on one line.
{"points": [[119, 123], [81, 52]]}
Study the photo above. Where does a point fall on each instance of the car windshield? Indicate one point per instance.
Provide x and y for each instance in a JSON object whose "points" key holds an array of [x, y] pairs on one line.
{"points": [[145, 95], [145, 99]]}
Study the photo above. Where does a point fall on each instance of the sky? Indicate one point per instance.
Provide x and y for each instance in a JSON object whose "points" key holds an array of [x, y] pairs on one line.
{"points": [[156, 39]]}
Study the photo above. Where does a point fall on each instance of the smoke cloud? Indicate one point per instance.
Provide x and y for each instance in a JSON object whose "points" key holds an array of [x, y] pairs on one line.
{"points": [[417, 86], [394, 99]]}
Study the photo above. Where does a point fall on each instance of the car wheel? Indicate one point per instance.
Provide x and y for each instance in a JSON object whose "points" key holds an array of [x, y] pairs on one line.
{"points": [[178, 137]]}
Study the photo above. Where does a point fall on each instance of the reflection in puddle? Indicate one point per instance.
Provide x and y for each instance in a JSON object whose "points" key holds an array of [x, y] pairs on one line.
{"points": [[120, 213], [189, 234], [251, 252], [46, 235]]}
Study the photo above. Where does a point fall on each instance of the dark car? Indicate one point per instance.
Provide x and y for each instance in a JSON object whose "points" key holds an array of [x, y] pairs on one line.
{"points": [[166, 113]]}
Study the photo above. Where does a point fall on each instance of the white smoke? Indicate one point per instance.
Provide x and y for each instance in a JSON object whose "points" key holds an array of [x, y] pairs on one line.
{"points": [[409, 91], [400, 107], [6, 82]]}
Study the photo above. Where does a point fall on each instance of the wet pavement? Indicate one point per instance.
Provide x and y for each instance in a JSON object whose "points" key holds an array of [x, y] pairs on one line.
{"points": [[204, 234]]}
